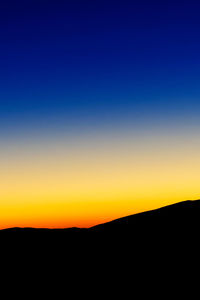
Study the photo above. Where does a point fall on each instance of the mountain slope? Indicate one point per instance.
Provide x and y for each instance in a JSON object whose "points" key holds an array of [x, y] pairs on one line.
{"points": [[168, 231], [183, 214]]}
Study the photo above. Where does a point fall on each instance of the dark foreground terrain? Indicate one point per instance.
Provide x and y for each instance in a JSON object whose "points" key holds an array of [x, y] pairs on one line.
{"points": [[150, 249]]}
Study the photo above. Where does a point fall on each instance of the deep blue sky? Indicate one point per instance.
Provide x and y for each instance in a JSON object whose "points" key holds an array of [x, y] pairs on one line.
{"points": [[92, 62]]}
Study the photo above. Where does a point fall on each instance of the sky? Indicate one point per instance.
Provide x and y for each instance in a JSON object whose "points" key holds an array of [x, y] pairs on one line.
{"points": [[99, 109]]}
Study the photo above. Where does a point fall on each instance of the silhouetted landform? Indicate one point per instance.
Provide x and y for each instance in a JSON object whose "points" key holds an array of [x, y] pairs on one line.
{"points": [[178, 221], [161, 239], [183, 215], [176, 216]]}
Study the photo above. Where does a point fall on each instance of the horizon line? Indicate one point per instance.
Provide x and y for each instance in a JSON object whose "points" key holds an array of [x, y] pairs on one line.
{"points": [[87, 228]]}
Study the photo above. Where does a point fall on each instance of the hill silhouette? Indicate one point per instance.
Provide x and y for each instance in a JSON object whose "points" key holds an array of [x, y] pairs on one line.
{"points": [[179, 214], [158, 241], [173, 223]]}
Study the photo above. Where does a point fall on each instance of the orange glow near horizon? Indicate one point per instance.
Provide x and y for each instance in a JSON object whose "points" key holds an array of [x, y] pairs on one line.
{"points": [[65, 183]]}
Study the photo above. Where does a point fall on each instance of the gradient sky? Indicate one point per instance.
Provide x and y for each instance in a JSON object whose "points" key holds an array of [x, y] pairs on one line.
{"points": [[99, 109]]}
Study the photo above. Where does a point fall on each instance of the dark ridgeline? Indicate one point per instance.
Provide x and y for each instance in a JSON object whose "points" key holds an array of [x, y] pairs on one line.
{"points": [[148, 249], [176, 224]]}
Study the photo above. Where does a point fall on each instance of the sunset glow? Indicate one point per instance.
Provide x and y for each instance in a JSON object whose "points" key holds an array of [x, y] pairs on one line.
{"points": [[99, 109]]}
